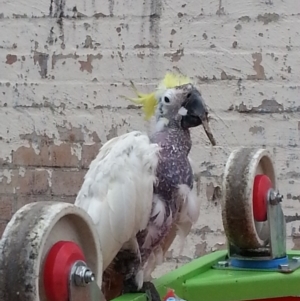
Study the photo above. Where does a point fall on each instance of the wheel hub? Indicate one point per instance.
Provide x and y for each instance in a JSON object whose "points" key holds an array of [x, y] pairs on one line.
{"points": [[58, 264], [262, 185]]}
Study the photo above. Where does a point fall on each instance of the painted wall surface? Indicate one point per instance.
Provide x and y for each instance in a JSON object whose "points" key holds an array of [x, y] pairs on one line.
{"points": [[63, 65]]}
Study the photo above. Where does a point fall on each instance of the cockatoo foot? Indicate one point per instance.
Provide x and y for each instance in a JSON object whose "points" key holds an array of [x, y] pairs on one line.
{"points": [[148, 288], [151, 292]]}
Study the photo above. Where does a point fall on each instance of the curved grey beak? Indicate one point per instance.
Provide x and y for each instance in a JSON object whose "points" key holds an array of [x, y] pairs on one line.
{"points": [[208, 132], [197, 114]]}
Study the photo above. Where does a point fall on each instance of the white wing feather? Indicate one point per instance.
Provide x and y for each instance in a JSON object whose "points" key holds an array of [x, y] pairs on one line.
{"points": [[118, 191]]}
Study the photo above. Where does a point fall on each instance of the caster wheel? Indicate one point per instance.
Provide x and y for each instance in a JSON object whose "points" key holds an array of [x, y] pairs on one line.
{"points": [[39, 247], [249, 174]]}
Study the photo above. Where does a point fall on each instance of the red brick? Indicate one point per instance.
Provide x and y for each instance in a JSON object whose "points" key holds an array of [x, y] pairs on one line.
{"points": [[31, 182], [66, 182], [73, 135], [61, 156], [26, 156], [22, 200], [2, 227], [6, 207], [89, 153], [49, 155]]}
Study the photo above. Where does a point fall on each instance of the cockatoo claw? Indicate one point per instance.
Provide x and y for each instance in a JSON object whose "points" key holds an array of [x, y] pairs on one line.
{"points": [[151, 291]]}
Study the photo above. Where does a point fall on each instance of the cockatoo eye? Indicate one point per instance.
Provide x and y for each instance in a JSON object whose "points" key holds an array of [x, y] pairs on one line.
{"points": [[167, 97]]}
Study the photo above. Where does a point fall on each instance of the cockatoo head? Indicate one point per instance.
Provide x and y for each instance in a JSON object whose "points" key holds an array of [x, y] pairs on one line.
{"points": [[183, 103], [176, 99]]}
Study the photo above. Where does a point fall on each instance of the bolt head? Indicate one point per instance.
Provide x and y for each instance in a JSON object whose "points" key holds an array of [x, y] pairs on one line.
{"points": [[89, 276], [83, 276], [223, 264], [272, 196], [284, 267], [279, 197], [296, 259]]}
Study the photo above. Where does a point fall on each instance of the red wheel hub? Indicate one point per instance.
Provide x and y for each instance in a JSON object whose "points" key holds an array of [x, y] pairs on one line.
{"points": [[58, 264], [262, 184]]}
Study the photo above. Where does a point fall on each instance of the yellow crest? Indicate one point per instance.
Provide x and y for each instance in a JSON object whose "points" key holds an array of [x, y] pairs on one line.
{"points": [[149, 101]]}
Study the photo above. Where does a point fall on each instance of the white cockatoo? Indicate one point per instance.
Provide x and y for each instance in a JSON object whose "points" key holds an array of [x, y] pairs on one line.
{"points": [[139, 188]]}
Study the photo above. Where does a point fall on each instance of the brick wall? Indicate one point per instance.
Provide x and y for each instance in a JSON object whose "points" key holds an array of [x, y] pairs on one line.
{"points": [[63, 65]]}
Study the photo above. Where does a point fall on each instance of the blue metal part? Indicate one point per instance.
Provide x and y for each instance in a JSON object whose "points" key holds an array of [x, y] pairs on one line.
{"points": [[258, 264]]}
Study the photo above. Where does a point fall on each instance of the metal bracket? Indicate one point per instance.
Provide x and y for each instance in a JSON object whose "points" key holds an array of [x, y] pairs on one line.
{"points": [[82, 284], [277, 225], [276, 244], [272, 257]]}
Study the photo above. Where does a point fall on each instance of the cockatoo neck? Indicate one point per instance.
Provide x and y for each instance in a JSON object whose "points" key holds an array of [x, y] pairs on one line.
{"points": [[163, 123], [169, 132]]}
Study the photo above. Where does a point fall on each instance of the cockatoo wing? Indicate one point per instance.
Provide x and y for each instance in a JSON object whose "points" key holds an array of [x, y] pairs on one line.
{"points": [[118, 191]]}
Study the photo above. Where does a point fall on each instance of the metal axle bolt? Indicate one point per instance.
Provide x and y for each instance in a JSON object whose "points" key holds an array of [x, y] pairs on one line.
{"points": [[275, 197], [223, 264], [296, 259], [89, 276], [81, 274], [284, 267]]}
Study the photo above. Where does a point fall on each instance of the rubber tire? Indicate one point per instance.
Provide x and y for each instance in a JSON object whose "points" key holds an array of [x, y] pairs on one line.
{"points": [[28, 237], [239, 224]]}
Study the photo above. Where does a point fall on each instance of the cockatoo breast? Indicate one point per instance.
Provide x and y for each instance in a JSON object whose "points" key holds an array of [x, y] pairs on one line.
{"points": [[174, 168], [173, 171]]}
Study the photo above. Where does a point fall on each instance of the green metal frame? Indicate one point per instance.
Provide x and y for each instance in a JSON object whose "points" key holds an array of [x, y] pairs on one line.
{"points": [[197, 281]]}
